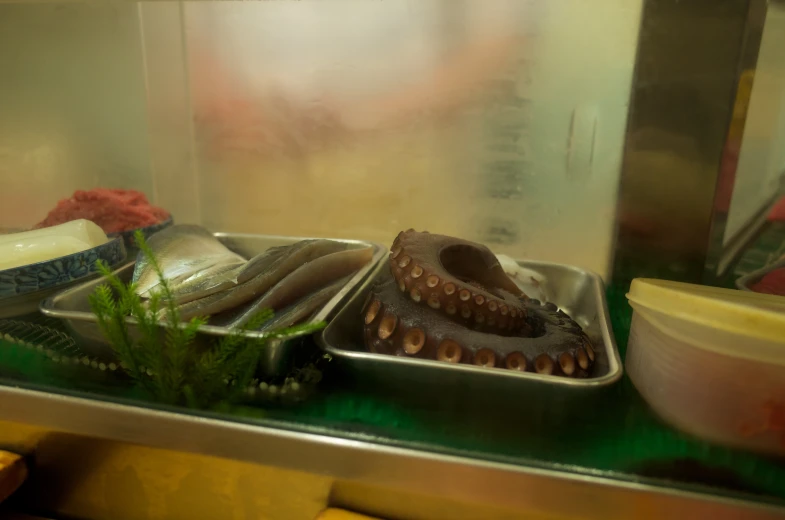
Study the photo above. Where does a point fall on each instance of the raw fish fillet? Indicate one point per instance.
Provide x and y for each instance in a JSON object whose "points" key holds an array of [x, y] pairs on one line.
{"points": [[291, 259], [305, 307], [266, 260], [307, 279], [30, 247], [181, 251], [205, 283], [221, 278]]}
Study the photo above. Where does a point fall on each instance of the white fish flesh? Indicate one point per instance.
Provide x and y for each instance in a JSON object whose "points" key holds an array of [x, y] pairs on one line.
{"points": [[181, 251], [304, 280], [291, 259]]}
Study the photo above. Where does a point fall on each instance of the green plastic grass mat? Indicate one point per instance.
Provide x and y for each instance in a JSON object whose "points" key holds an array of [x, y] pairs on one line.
{"points": [[40, 354], [615, 435], [621, 437]]}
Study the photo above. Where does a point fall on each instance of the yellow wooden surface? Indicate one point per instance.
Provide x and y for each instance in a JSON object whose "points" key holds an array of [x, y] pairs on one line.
{"points": [[99, 479], [13, 472], [376, 501], [342, 514], [96, 479]]}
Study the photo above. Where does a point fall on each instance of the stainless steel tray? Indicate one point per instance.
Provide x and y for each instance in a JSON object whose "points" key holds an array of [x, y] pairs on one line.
{"points": [[748, 280], [578, 292], [73, 307]]}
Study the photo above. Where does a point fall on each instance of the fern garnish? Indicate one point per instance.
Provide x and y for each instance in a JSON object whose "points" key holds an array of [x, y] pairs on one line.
{"points": [[162, 355]]}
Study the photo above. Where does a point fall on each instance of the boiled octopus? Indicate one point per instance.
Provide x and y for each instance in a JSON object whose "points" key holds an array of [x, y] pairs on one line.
{"points": [[450, 300]]}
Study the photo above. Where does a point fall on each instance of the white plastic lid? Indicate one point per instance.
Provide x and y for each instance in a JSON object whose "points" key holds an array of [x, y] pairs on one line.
{"points": [[743, 314]]}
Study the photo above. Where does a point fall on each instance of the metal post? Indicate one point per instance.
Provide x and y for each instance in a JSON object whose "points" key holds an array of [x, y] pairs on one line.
{"points": [[689, 61]]}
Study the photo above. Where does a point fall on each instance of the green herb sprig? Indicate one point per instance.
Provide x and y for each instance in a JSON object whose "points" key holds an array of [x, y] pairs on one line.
{"points": [[162, 356]]}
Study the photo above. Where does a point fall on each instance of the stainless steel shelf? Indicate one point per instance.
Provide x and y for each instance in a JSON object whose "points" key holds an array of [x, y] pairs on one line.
{"points": [[556, 493]]}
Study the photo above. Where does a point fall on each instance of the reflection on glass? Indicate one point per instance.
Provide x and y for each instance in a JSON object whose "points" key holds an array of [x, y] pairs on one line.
{"points": [[73, 105], [760, 156], [501, 122]]}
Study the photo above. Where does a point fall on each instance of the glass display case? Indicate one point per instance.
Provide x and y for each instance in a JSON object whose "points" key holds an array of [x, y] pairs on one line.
{"points": [[584, 143]]}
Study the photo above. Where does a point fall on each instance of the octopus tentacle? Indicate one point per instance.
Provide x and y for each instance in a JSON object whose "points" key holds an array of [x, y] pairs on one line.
{"points": [[394, 324], [462, 280]]}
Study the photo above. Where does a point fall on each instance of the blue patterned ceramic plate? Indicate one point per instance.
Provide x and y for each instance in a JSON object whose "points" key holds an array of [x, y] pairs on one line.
{"points": [[23, 287], [128, 236]]}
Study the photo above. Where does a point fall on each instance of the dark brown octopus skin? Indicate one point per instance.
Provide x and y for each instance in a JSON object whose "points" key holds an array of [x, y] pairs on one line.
{"points": [[429, 267], [419, 308]]}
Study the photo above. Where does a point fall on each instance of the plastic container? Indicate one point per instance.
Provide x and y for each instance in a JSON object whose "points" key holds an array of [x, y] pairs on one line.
{"points": [[711, 361]]}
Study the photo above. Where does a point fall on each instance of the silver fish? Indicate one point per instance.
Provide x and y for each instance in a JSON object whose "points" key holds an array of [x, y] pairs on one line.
{"points": [[306, 279], [264, 261], [305, 307], [282, 265], [221, 278], [181, 251]]}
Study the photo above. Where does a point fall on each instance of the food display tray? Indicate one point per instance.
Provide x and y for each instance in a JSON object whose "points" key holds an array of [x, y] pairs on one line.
{"points": [[577, 292], [748, 280], [72, 306]]}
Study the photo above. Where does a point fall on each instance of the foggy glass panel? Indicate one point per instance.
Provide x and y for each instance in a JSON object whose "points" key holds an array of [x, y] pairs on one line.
{"points": [[169, 110], [762, 156], [499, 121], [73, 105]]}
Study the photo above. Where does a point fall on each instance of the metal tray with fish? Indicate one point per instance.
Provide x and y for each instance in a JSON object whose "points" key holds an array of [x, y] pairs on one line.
{"points": [[575, 291], [73, 308]]}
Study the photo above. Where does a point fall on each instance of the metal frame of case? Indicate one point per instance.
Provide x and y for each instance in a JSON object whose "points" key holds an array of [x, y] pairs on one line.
{"points": [[395, 470], [685, 89]]}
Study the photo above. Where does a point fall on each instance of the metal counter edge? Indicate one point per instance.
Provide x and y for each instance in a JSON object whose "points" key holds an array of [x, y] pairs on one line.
{"points": [[452, 477]]}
